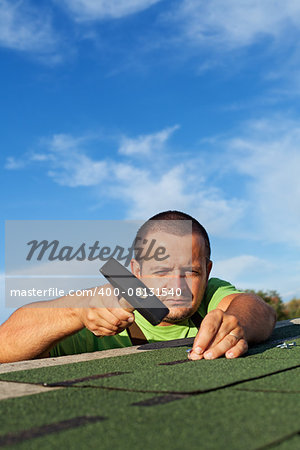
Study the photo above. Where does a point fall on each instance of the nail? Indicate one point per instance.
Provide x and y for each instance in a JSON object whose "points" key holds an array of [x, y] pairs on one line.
{"points": [[208, 355], [230, 355], [198, 350], [194, 356], [130, 319]]}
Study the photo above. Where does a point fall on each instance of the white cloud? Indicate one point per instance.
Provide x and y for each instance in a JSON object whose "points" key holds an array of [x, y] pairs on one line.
{"points": [[251, 272], [79, 170], [229, 23], [234, 24], [148, 191], [268, 154], [146, 144], [66, 160], [65, 142], [147, 186], [237, 267], [39, 157], [27, 29], [70, 166], [265, 157], [13, 163], [103, 9], [218, 26]]}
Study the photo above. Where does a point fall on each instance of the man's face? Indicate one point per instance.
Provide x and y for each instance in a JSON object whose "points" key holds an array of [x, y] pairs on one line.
{"points": [[183, 275]]}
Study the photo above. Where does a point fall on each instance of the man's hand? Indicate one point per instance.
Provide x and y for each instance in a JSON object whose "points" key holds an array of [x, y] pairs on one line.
{"points": [[25, 338], [105, 315], [220, 334]]}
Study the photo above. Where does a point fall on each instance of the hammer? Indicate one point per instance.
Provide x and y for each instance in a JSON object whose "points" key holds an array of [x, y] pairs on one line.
{"points": [[137, 294]]}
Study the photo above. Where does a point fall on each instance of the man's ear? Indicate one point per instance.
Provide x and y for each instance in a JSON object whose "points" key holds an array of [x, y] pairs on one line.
{"points": [[209, 265], [135, 268]]}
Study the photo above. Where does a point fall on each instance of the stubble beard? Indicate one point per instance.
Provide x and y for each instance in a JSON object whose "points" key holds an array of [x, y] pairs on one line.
{"points": [[178, 315]]}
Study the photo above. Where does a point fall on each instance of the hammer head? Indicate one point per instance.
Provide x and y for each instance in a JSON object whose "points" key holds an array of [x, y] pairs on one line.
{"points": [[147, 304]]}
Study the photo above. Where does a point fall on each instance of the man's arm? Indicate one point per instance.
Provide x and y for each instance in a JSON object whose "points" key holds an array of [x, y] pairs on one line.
{"points": [[32, 330], [238, 320]]}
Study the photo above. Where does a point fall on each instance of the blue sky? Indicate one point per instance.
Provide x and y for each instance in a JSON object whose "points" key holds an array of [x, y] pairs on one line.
{"points": [[118, 109]]}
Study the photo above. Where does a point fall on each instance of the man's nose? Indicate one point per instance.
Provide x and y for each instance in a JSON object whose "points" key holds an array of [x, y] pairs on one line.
{"points": [[177, 280]]}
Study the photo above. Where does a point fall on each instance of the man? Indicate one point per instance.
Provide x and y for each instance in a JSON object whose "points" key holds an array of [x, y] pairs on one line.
{"points": [[76, 324]]}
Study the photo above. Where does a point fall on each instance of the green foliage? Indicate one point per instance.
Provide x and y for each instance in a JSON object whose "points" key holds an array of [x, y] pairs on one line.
{"points": [[292, 308], [273, 299], [284, 311]]}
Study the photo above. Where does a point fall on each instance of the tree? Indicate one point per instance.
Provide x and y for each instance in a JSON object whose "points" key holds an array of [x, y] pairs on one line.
{"points": [[292, 308]]}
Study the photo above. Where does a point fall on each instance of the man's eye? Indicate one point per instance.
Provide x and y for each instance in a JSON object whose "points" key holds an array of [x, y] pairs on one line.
{"points": [[192, 273]]}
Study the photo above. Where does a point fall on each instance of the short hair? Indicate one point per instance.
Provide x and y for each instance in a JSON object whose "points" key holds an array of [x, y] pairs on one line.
{"points": [[184, 226]]}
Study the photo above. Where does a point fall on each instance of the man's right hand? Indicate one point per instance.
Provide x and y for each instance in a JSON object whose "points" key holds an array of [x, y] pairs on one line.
{"points": [[25, 338], [104, 315]]}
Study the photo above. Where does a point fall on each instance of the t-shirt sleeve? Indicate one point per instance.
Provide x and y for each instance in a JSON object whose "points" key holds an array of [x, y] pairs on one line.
{"points": [[71, 345], [85, 341], [215, 291]]}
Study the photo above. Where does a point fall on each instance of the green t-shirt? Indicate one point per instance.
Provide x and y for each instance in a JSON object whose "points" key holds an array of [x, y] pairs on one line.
{"points": [[85, 341]]}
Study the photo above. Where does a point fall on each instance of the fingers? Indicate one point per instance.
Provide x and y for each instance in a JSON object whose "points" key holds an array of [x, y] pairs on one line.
{"points": [[105, 323], [119, 308], [101, 331], [104, 316], [239, 349], [207, 332], [220, 334], [227, 327], [109, 319], [228, 345]]}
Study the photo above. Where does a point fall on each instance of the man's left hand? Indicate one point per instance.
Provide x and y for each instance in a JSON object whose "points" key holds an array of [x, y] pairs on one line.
{"points": [[220, 334]]}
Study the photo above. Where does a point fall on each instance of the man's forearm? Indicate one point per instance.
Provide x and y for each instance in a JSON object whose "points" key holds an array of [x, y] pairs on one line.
{"points": [[255, 316], [33, 329]]}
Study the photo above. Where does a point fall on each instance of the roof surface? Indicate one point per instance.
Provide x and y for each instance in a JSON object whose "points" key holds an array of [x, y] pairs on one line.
{"points": [[155, 397]]}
